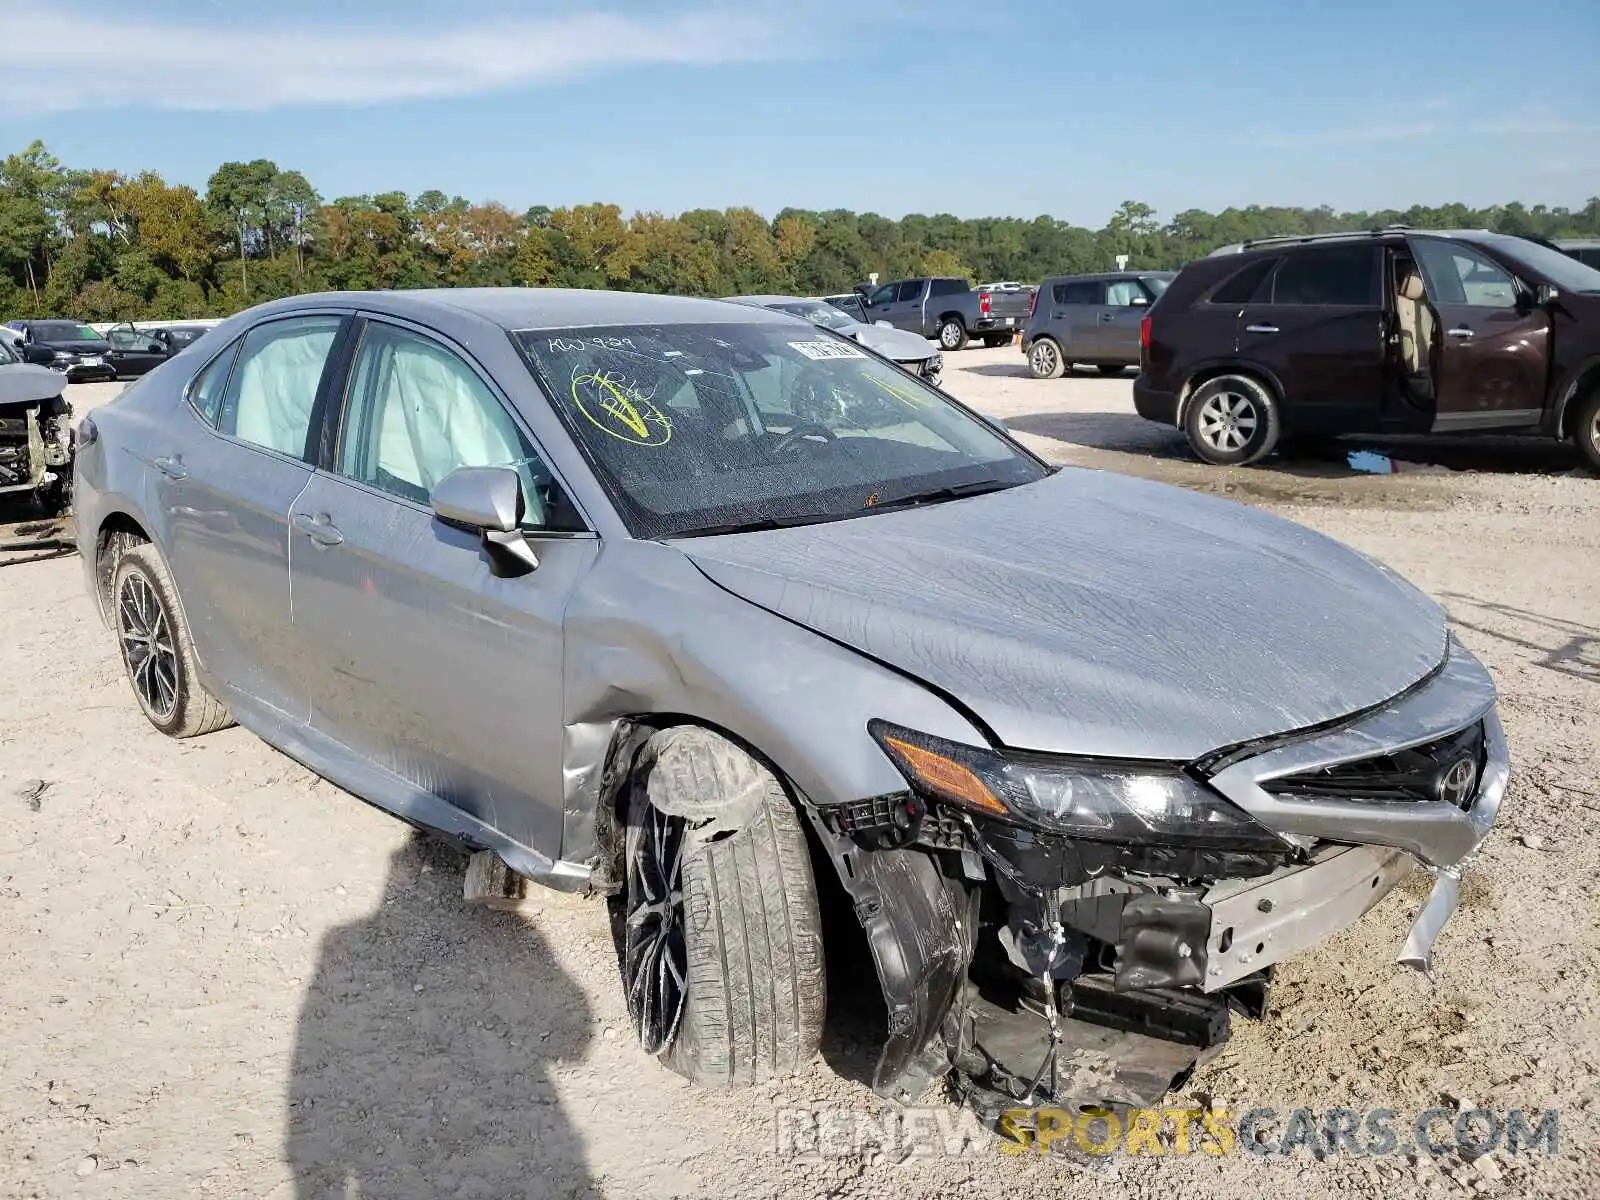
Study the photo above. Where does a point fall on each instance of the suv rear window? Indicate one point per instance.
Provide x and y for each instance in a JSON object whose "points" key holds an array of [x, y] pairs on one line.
{"points": [[1334, 275], [1242, 288], [1082, 291]]}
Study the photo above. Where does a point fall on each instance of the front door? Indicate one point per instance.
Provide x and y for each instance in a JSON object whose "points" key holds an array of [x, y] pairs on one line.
{"points": [[420, 659], [906, 311], [134, 351], [1318, 327], [1493, 351], [880, 302], [225, 480], [1126, 304]]}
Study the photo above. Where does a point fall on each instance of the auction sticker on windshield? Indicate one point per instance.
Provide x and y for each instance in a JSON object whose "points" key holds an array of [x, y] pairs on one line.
{"points": [[615, 405], [826, 349]]}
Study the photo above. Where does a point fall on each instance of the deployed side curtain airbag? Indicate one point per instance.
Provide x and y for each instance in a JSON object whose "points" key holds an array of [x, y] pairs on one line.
{"points": [[276, 387]]}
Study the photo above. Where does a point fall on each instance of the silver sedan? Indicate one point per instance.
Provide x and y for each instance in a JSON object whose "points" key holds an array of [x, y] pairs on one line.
{"points": [[698, 605]]}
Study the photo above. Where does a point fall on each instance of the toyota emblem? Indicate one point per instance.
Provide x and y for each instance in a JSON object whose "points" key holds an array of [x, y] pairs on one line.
{"points": [[1458, 783]]}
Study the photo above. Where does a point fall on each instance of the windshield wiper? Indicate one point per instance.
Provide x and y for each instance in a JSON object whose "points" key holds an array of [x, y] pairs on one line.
{"points": [[954, 491], [763, 523]]}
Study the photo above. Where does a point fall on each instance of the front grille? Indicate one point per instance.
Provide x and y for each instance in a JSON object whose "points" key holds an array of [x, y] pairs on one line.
{"points": [[1432, 772]]}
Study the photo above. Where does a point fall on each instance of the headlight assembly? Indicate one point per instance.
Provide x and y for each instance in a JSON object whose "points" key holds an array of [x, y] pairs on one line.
{"points": [[1101, 802]]}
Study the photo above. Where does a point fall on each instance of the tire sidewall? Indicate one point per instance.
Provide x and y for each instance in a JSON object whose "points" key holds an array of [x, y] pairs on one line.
{"points": [[1584, 433], [137, 560], [1269, 424]]}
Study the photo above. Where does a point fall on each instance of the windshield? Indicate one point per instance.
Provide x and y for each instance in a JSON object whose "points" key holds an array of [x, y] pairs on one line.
{"points": [[63, 331], [7, 355], [850, 306], [1564, 271], [695, 428], [818, 313]]}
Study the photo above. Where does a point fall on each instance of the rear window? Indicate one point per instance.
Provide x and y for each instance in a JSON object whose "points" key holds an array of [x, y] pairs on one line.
{"points": [[1244, 286], [1080, 291], [1335, 275]]}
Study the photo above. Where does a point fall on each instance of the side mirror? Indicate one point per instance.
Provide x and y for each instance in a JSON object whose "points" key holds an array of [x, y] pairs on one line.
{"points": [[488, 501], [153, 348], [1139, 302], [1545, 293]]}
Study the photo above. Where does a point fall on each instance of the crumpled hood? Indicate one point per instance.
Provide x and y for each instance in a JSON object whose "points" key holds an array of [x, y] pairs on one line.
{"points": [[27, 383], [899, 345], [1096, 614]]}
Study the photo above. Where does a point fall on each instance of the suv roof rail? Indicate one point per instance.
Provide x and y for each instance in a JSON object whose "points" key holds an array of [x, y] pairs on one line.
{"points": [[1279, 238]]}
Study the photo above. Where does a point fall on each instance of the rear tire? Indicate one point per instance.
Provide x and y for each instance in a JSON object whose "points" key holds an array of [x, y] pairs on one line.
{"points": [[1233, 420], [1110, 368], [724, 972], [157, 651], [1045, 360], [952, 334], [1586, 428], [995, 340]]}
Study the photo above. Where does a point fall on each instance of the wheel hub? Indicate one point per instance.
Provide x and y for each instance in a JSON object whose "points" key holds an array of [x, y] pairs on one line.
{"points": [[655, 959], [1228, 421], [148, 646]]}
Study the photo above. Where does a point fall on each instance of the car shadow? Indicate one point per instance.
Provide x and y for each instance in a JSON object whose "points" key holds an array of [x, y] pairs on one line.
{"points": [[1565, 647], [1019, 370], [426, 1049]]}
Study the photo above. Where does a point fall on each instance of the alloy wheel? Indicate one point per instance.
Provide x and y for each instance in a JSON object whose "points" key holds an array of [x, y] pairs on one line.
{"points": [[1594, 431], [148, 646], [655, 961], [1228, 421], [949, 335], [1044, 358]]}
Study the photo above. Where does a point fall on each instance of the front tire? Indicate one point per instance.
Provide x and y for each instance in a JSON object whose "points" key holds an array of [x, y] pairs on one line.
{"points": [[952, 334], [1045, 360], [723, 959], [1233, 420], [1586, 428], [157, 651]]}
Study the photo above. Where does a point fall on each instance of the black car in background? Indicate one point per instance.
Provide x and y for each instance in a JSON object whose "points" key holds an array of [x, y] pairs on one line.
{"points": [[67, 346], [1394, 331], [137, 351]]}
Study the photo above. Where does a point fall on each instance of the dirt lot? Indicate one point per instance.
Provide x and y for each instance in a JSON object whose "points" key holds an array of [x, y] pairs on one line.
{"points": [[220, 976]]}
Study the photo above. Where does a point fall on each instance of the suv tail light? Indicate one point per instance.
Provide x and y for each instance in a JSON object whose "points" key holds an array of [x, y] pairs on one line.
{"points": [[1033, 303], [983, 303], [1144, 332]]}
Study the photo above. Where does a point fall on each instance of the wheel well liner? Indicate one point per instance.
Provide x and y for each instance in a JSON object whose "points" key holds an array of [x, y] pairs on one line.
{"points": [[116, 525]]}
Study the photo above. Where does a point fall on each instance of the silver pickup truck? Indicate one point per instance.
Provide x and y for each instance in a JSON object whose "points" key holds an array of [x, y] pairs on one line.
{"points": [[950, 310]]}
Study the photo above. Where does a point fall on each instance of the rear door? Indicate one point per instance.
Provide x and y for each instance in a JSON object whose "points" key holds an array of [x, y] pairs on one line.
{"points": [[1074, 316], [1127, 301], [419, 658], [1318, 327], [1493, 352], [227, 474]]}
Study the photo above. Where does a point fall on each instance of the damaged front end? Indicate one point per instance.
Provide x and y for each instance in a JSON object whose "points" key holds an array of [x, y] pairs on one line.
{"points": [[1082, 932], [35, 435]]}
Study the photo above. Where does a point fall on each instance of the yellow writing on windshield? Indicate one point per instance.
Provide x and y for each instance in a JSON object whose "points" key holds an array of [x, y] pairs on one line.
{"points": [[615, 406]]}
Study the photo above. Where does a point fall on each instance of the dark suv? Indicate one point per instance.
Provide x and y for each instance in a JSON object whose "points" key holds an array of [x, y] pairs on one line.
{"points": [[1397, 330]]}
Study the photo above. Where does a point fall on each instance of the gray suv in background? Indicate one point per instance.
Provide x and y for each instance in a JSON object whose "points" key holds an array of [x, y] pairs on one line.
{"points": [[1090, 319]]}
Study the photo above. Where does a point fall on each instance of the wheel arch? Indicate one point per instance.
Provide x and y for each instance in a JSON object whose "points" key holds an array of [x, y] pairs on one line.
{"points": [[118, 523], [1206, 372], [952, 315], [1580, 381]]}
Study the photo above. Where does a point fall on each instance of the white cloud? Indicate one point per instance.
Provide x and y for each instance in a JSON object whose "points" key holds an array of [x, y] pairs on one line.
{"points": [[84, 58]]}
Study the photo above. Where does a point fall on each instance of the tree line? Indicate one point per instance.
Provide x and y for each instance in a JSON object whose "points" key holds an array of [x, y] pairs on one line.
{"points": [[102, 245]]}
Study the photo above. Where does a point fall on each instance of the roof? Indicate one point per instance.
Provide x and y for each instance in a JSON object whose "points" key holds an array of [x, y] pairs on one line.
{"points": [[764, 300], [1098, 275], [1354, 235], [539, 308]]}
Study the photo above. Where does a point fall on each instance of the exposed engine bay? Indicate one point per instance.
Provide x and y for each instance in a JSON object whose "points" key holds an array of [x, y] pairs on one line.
{"points": [[35, 436]]}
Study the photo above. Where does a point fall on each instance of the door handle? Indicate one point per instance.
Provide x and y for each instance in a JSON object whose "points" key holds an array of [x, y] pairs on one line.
{"points": [[1261, 329], [320, 528], [1461, 331], [1107, 317], [172, 467]]}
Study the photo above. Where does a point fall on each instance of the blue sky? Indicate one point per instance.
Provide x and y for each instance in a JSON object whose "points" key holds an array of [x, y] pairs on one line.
{"points": [[993, 107]]}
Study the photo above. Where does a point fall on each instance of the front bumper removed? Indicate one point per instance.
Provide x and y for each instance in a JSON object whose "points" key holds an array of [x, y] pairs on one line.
{"points": [[1044, 968]]}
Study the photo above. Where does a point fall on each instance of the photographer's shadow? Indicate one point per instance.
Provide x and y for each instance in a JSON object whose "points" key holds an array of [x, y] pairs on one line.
{"points": [[426, 1048]]}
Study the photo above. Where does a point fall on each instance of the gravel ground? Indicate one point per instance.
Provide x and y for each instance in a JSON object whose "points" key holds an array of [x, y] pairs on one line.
{"points": [[220, 976]]}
